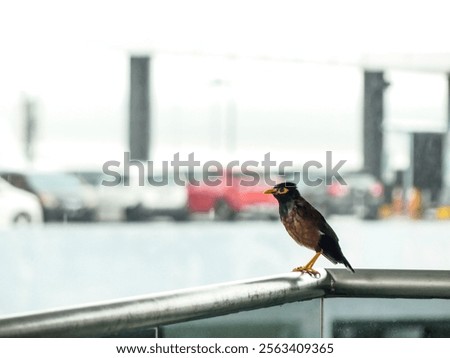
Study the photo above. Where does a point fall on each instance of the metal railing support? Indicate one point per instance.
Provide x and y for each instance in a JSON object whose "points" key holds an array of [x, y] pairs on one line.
{"points": [[110, 318], [390, 283]]}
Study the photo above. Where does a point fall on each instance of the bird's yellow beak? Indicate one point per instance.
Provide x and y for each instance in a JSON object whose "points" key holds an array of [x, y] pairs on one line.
{"points": [[270, 191]]}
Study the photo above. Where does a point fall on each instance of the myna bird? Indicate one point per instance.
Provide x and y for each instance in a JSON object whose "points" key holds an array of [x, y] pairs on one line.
{"points": [[307, 227]]}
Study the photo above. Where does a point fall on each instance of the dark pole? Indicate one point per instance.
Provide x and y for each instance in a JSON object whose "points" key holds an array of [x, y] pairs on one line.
{"points": [[448, 101], [373, 113], [30, 128], [139, 134], [446, 154]]}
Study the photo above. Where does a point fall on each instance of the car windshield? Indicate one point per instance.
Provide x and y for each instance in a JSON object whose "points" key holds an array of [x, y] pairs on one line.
{"points": [[54, 181], [92, 178]]}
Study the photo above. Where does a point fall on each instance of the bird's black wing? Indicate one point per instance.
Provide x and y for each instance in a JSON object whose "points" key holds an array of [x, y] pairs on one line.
{"points": [[329, 243], [326, 229]]}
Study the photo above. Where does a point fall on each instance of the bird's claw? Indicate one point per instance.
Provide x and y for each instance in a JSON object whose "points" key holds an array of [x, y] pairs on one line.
{"points": [[310, 271]]}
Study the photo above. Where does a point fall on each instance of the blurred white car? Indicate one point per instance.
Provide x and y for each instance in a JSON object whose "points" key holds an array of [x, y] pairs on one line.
{"points": [[62, 196], [129, 200], [18, 206], [165, 197], [114, 200]]}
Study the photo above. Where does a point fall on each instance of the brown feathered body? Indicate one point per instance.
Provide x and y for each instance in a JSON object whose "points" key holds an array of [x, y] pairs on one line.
{"points": [[301, 225]]}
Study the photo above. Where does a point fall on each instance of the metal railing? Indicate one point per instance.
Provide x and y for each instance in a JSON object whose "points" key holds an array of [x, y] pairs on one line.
{"points": [[111, 318]]}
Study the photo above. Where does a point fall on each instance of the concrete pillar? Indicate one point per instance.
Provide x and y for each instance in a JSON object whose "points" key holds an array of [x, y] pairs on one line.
{"points": [[140, 111], [373, 114]]}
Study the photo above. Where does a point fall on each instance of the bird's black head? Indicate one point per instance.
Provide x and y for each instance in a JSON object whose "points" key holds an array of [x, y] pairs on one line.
{"points": [[284, 191]]}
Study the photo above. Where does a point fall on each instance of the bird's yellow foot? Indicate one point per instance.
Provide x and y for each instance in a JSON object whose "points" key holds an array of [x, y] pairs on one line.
{"points": [[309, 270]]}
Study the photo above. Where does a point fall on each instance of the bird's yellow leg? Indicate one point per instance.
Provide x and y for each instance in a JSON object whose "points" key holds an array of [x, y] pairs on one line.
{"points": [[308, 267]]}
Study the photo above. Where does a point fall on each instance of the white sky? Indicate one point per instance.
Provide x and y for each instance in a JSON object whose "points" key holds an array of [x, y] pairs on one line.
{"points": [[72, 58]]}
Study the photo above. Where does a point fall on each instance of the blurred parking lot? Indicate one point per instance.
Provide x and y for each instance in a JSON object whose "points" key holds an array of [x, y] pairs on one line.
{"points": [[81, 196]]}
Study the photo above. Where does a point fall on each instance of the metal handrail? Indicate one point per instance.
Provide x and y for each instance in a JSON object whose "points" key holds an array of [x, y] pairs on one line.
{"points": [[111, 318]]}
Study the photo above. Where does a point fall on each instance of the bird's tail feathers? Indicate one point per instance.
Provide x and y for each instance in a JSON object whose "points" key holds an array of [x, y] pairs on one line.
{"points": [[347, 264]]}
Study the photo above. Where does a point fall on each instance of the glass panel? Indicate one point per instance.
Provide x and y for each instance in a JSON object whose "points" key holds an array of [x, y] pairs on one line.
{"points": [[401, 318], [300, 319]]}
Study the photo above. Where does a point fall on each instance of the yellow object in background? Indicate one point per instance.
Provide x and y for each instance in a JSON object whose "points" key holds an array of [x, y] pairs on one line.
{"points": [[415, 209], [443, 213], [385, 211]]}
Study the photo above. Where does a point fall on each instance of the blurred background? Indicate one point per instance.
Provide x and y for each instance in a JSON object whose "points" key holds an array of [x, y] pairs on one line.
{"points": [[83, 83]]}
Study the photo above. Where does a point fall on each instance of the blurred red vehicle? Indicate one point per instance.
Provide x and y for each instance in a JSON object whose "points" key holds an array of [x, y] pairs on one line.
{"points": [[230, 195]]}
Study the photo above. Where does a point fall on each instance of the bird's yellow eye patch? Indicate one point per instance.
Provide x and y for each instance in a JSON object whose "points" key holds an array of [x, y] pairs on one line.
{"points": [[283, 190]]}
